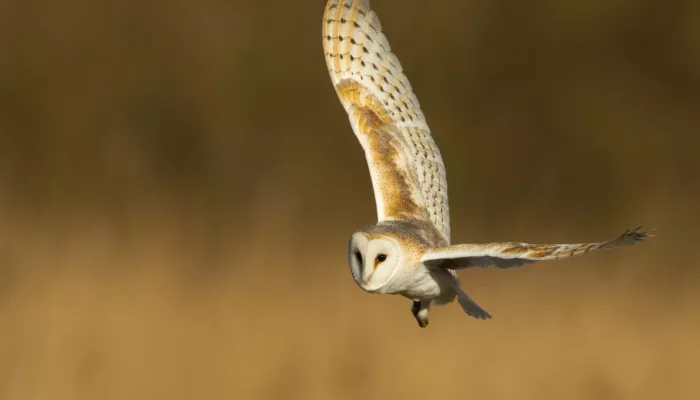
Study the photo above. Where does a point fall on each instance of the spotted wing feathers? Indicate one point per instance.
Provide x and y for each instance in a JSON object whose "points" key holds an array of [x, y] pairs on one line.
{"points": [[510, 254], [406, 167]]}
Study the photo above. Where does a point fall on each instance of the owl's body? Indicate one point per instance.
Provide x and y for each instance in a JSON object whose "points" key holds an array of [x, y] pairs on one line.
{"points": [[408, 252]]}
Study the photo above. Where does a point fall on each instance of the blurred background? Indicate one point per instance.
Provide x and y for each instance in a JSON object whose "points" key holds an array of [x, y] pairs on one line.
{"points": [[178, 184]]}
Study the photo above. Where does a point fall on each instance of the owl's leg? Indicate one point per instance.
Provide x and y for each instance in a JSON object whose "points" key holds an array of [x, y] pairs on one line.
{"points": [[420, 310]]}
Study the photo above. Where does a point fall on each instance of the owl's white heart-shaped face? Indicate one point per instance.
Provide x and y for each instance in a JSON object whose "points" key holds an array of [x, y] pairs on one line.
{"points": [[373, 261]]}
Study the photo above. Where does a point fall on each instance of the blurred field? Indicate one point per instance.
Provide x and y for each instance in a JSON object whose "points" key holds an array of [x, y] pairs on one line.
{"points": [[178, 185]]}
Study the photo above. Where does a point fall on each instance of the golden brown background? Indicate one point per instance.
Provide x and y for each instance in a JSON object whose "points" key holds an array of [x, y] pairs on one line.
{"points": [[178, 183]]}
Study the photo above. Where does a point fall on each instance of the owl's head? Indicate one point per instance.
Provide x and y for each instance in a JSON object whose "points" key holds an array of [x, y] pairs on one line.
{"points": [[374, 260]]}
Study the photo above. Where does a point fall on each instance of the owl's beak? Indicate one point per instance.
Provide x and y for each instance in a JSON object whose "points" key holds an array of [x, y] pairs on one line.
{"points": [[368, 278]]}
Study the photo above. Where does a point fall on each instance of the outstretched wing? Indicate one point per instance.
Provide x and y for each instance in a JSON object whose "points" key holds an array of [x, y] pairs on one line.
{"points": [[408, 175], [508, 255]]}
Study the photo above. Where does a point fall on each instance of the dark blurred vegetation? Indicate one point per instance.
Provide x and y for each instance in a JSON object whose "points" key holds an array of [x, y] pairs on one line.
{"points": [[178, 183]]}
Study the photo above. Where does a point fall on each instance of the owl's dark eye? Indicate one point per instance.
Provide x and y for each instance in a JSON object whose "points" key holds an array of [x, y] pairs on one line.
{"points": [[358, 256], [381, 258]]}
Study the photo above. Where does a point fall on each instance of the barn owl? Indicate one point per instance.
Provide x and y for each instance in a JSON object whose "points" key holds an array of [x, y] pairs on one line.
{"points": [[408, 251]]}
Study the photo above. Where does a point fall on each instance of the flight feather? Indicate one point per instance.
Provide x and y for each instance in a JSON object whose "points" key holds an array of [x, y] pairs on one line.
{"points": [[406, 167]]}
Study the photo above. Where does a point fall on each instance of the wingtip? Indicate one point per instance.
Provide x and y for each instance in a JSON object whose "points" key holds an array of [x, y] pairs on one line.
{"points": [[633, 236]]}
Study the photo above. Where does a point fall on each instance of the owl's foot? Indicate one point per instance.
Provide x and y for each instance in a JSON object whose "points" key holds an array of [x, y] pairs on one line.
{"points": [[420, 310]]}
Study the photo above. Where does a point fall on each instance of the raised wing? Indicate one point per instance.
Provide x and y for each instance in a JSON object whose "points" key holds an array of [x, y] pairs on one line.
{"points": [[408, 175], [508, 255]]}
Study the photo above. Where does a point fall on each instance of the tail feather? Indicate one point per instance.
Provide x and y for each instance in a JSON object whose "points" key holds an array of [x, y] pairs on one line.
{"points": [[470, 307]]}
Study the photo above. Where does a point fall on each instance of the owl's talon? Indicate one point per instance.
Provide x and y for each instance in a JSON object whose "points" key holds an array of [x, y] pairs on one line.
{"points": [[420, 312], [415, 308]]}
